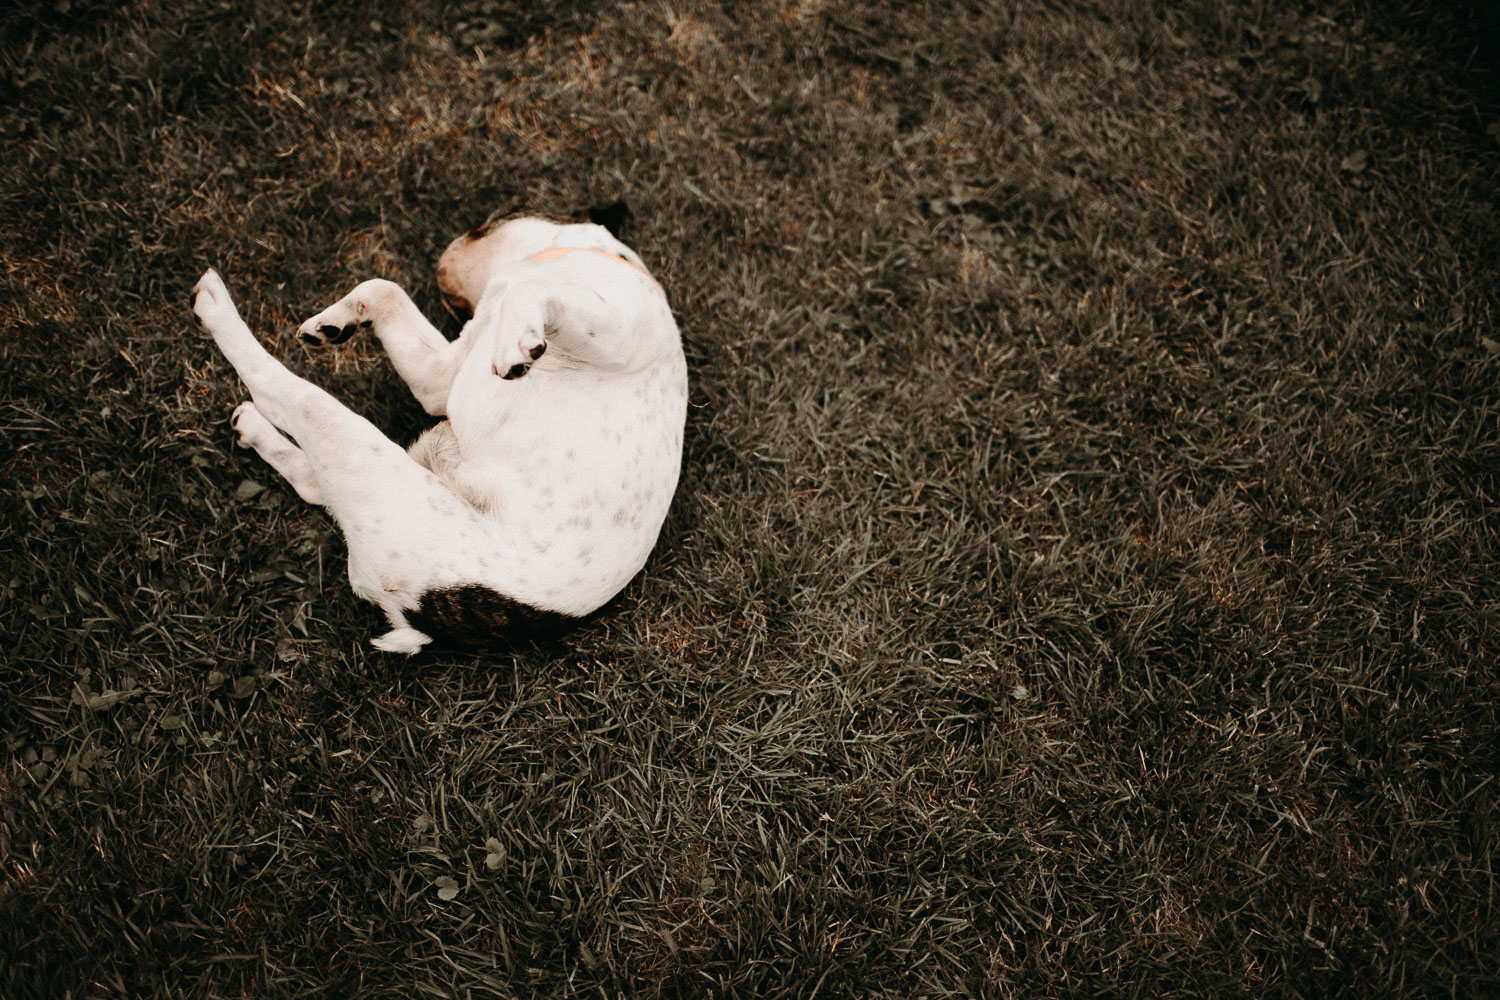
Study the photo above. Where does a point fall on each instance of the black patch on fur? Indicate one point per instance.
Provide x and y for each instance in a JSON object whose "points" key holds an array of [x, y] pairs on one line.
{"points": [[612, 217], [474, 616]]}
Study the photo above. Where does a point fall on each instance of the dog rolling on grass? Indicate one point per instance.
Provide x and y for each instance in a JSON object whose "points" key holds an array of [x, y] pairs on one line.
{"points": [[544, 490]]}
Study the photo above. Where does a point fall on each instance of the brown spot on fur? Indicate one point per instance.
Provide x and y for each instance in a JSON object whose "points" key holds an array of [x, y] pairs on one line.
{"points": [[475, 616]]}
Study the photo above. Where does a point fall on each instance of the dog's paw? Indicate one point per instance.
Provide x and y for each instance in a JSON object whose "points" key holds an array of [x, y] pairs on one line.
{"points": [[249, 424], [515, 355], [335, 324], [210, 298]]}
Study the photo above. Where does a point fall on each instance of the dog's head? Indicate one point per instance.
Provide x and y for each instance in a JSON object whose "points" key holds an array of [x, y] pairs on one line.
{"points": [[507, 238]]}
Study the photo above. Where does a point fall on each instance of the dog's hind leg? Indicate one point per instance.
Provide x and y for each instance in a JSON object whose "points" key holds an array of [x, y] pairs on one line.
{"points": [[402, 524], [425, 359], [336, 442], [253, 430]]}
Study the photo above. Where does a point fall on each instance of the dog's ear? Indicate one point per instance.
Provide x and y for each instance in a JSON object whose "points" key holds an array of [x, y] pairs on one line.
{"points": [[495, 220], [612, 217]]}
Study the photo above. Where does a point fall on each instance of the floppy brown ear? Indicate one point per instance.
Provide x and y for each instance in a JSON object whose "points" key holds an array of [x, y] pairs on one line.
{"points": [[612, 217], [488, 226], [523, 211]]}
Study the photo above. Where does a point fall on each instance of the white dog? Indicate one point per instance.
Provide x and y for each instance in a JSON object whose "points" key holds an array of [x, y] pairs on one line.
{"points": [[544, 490]]}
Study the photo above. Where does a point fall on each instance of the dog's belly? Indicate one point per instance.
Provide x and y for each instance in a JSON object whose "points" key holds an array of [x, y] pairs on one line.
{"points": [[574, 480]]}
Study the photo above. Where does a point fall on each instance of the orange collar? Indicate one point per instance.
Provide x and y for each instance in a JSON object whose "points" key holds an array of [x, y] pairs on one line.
{"points": [[557, 252]]}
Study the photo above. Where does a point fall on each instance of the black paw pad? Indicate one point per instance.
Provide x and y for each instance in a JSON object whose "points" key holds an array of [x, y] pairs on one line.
{"points": [[538, 350], [516, 371], [310, 338], [338, 336]]}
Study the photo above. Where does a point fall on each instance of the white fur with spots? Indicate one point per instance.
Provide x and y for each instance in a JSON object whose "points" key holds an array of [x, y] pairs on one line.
{"points": [[565, 397]]}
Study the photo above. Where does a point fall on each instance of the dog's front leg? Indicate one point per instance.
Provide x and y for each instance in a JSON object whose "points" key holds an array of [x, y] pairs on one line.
{"points": [[611, 324], [425, 359]]}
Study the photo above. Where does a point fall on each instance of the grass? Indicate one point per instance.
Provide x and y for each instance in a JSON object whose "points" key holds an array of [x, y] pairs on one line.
{"points": [[1083, 579]]}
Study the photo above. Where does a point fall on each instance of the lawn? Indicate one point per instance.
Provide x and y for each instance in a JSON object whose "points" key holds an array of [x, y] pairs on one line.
{"points": [[1083, 580]]}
